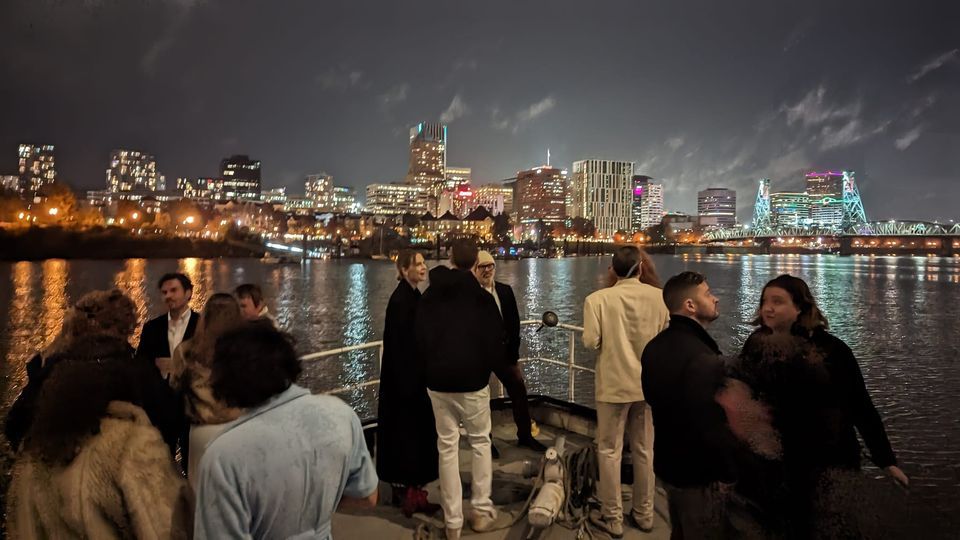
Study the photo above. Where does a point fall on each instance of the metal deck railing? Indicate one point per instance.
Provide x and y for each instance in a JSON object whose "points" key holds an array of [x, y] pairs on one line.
{"points": [[570, 363]]}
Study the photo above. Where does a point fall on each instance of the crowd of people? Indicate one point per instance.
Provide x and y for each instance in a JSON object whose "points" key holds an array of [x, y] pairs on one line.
{"points": [[202, 431]]}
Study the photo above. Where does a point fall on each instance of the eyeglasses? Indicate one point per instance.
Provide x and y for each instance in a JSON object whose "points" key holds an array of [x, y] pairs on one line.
{"points": [[485, 267]]}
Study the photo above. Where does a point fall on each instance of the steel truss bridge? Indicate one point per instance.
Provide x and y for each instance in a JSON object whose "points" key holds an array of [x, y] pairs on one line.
{"points": [[870, 228]]}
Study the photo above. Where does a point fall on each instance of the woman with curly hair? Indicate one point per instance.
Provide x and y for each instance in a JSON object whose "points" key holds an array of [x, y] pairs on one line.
{"points": [[92, 465], [98, 313]]}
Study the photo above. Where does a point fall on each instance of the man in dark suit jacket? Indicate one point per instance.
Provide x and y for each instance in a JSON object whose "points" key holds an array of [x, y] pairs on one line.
{"points": [[509, 373], [161, 335]]}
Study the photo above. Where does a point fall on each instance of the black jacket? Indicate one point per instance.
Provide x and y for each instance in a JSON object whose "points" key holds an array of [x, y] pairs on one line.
{"points": [[815, 389], [153, 339], [406, 430], [511, 321], [460, 335], [682, 372]]}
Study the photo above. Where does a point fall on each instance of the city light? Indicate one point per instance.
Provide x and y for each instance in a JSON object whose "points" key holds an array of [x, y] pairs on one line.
{"points": [[53, 211]]}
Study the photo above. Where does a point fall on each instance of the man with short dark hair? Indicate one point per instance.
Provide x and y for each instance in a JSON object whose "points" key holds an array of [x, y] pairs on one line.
{"points": [[460, 340], [284, 467], [161, 335], [694, 447], [619, 321], [252, 305]]}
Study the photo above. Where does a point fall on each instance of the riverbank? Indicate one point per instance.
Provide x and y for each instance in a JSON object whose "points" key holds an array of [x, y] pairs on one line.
{"points": [[39, 243]]}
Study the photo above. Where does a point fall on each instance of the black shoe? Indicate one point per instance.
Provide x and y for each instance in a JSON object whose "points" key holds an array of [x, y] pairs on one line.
{"points": [[532, 444], [494, 452]]}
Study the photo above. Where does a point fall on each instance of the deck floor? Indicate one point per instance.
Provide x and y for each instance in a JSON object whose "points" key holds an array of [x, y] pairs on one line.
{"points": [[510, 491]]}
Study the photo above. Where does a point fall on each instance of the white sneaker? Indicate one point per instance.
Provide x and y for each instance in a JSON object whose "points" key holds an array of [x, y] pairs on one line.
{"points": [[483, 523]]}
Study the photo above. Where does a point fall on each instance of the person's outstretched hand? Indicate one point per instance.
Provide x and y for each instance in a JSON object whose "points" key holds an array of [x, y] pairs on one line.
{"points": [[898, 476]]}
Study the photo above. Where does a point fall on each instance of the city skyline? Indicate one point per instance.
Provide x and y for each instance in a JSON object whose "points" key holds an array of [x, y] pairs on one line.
{"points": [[697, 96]]}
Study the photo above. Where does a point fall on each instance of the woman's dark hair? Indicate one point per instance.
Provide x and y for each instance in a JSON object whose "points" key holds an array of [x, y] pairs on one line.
{"points": [[404, 260], [85, 378], [251, 364], [810, 317], [221, 313]]}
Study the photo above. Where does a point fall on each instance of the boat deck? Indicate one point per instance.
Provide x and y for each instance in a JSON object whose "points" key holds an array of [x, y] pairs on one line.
{"points": [[510, 488]]}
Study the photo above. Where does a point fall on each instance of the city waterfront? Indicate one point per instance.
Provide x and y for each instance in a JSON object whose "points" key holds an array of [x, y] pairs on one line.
{"points": [[899, 315]]}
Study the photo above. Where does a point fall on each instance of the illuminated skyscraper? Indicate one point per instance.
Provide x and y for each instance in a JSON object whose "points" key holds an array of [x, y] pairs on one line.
{"points": [[789, 209], [717, 207], [132, 170], [393, 199], [428, 158], [541, 195], [497, 198], [36, 167], [241, 177], [826, 198], [319, 189], [603, 193]]}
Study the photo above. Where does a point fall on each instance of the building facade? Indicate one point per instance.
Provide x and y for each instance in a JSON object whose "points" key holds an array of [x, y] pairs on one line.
{"points": [[541, 195], [647, 207], [636, 211], [132, 170], [826, 198], [37, 167], [345, 200], [603, 193], [394, 199], [717, 207], [789, 209], [319, 188], [496, 198], [241, 178], [428, 158]]}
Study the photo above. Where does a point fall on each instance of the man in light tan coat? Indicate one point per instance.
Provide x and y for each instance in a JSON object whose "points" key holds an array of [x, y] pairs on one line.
{"points": [[619, 321]]}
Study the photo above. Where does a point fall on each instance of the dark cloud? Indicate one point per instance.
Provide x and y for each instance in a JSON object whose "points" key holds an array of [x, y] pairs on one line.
{"points": [[698, 93]]}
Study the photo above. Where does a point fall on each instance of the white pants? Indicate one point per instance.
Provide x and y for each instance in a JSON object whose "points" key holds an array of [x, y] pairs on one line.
{"points": [[613, 420], [473, 410]]}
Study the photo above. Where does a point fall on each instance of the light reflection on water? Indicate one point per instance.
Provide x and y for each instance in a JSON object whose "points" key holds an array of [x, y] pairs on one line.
{"points": [[899, 315]]}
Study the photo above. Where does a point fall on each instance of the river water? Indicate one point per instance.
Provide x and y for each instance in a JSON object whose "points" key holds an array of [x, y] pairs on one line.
{"points": [[899, 315]]}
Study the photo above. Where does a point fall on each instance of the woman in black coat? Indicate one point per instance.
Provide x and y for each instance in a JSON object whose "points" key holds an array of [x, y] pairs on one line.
{"points": [[407, 455], [818, 400]]}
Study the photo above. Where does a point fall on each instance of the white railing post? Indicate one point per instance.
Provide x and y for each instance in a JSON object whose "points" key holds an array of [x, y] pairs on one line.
{"points": [[571, 357]]}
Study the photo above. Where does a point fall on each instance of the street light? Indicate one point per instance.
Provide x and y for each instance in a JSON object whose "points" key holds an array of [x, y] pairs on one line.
{"points": [[54, 211], [135, 215]]}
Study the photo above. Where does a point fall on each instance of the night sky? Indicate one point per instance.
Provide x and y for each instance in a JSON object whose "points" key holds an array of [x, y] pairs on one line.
{"points": [[698, 94]]}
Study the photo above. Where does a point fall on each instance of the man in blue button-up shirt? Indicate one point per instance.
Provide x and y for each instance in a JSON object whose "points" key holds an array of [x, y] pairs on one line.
{"points": [[283, 468]]}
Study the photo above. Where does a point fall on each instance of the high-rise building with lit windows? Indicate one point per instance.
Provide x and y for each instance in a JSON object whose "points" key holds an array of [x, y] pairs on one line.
{"points": [[132, 170], [497, 198], [345, 200], [603, 193], [394, 199], [319, 189], [37, 167], [717, 207], [541, 195], [428, 159], [789, 209], [241, 178], [826, 198]]}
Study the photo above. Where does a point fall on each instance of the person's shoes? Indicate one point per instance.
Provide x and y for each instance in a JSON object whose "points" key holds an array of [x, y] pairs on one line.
{"points": [[483, 523], [411, 501], [612, 528], [645, 524], [494, 452], [453, 534], [425, 506], [531, 443]]}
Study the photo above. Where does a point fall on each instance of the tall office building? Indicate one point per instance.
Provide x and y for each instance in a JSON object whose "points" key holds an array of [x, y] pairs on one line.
{"points": [[132, 170], [789, 209], [456, 177], [241, 177], [651, 205], [826, 198], [603, 193], [319, 188], [428, 158], [541, 195], [345, 200], [393, 199], [497, 198], [636, 211], [37, 167], [717, 207]]}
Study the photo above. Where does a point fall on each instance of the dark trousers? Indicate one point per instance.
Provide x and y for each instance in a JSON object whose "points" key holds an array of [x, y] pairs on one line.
{"points": [[511, 378], [698, 512]]}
